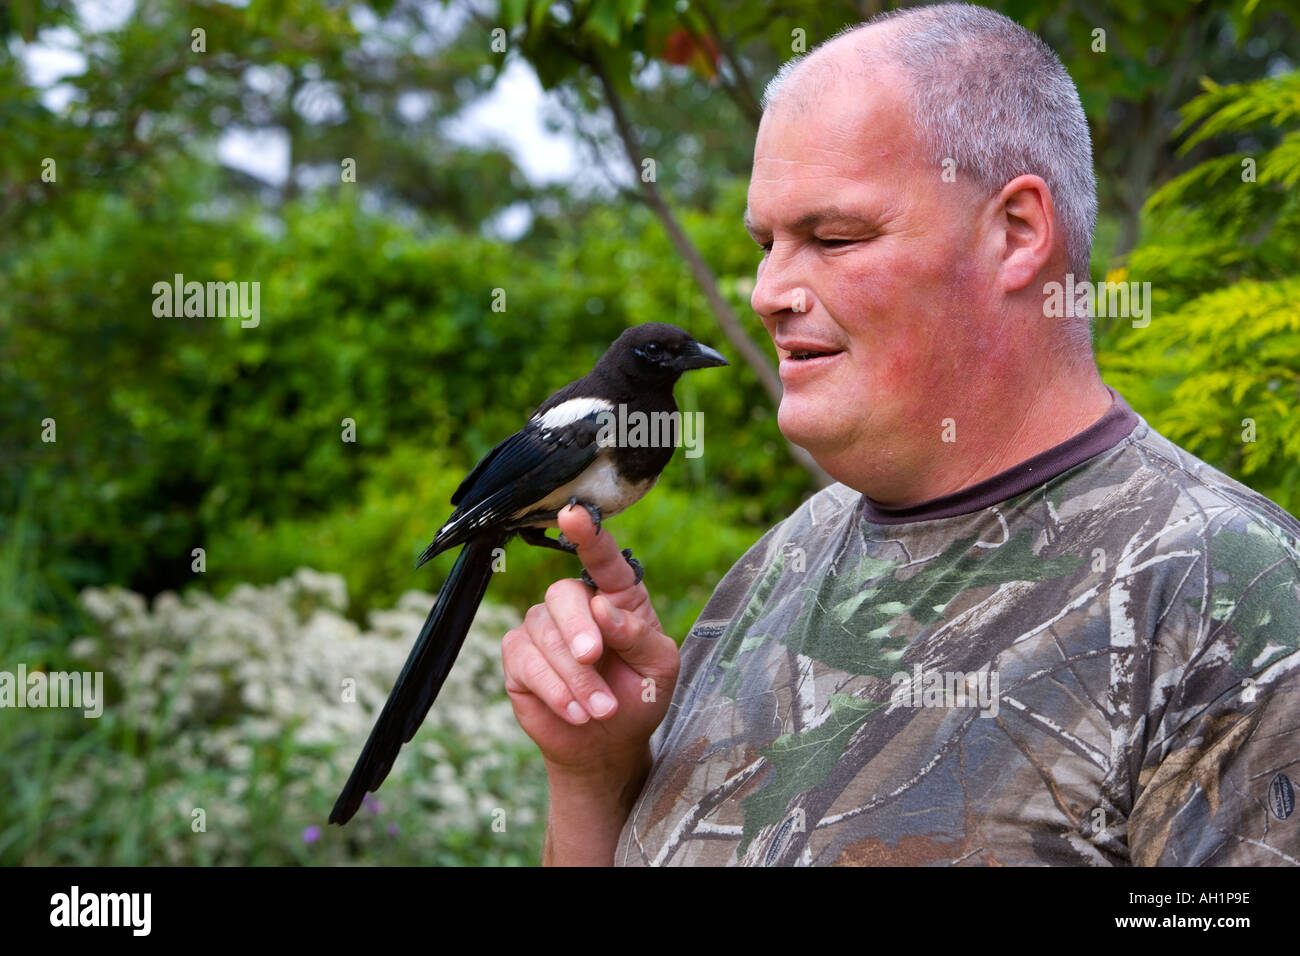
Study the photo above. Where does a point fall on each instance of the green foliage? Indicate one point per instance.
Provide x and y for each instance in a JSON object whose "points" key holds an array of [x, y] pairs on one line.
{"points": [[1226, 109], [225, 736], [1219, 377], [1218, 368], [188, 428], [1240, 210]]}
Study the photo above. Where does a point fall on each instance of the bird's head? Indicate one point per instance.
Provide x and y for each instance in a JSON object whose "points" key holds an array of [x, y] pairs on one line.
{"points": [[657, 353]]}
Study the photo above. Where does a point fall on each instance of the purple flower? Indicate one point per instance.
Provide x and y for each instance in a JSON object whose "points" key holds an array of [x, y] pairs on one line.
{"points": [[392, 829], [311, 834], [372, 804]]}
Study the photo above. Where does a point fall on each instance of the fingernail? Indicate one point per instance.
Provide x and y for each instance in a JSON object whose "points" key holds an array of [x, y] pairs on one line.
{"points": [[601, 703], [576, 713], [583, 644]]}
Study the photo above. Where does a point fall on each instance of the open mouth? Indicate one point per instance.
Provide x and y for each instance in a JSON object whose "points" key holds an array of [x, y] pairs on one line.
{"points": [[805, 356]]}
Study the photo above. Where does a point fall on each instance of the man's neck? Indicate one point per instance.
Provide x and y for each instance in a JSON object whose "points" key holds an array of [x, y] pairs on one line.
{"points": [[987, 439]]}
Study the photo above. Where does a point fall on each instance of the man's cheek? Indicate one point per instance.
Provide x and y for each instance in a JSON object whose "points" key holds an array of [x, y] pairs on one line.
{"points": [[897, 374], [906, 362]]}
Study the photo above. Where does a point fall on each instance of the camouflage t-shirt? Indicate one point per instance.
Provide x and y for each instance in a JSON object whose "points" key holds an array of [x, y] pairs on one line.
{"points": [[1088, 659]]}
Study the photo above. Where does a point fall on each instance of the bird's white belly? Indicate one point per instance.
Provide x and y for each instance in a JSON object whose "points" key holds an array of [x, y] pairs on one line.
{"points": [[597, 485]]}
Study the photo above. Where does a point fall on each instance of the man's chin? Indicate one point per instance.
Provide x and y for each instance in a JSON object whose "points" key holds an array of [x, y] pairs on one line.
{"points": [[810, 431]]}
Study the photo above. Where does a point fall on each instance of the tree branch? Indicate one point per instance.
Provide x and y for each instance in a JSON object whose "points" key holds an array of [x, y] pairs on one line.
{"points": [[727, 319], [742, 93]]}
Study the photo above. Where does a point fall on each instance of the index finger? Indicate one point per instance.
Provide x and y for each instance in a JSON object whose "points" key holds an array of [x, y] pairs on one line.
{"points": [[598, 553]]}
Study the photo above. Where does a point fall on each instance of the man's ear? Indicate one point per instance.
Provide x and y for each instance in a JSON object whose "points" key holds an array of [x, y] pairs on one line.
{"points": [[1026, 213]]}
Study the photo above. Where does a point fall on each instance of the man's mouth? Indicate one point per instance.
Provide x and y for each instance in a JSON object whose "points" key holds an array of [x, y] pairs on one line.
{"points": [[805, 356], [799, 364], [801, 357]]}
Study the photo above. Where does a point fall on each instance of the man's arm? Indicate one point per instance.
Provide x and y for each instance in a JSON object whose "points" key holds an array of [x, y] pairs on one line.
{"points": [[590, 678], [1223, 794], [587, 815], [1223, 739]]}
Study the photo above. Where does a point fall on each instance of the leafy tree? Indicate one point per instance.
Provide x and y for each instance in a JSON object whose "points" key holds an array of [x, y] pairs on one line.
{"points": [[1218, 368], [1135, 63]]}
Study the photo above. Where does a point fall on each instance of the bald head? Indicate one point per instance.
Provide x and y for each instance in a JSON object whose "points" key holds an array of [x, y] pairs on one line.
{"points": [[984, 94], [851, 56]]}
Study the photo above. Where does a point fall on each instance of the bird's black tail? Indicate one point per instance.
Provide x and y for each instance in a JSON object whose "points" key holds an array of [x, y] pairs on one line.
{"points": [[427, 667]]}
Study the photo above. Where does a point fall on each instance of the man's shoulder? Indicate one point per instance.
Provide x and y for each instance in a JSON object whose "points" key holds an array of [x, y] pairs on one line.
{"points": [[803, 539], [1200, 505], [814, 525], [820, 517]]}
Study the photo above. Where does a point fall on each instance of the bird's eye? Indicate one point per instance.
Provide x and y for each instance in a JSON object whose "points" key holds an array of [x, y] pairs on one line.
{"points": [[652, 350]]}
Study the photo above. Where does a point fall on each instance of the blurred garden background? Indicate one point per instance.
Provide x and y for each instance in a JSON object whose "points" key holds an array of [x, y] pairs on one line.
{"points": [[382, 169]]}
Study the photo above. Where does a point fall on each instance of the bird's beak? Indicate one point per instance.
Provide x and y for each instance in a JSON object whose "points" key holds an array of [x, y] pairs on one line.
{"points": [[701, 356]]}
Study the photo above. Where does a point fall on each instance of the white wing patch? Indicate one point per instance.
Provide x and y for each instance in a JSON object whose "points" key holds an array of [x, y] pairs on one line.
{"points": [[566, 413]]}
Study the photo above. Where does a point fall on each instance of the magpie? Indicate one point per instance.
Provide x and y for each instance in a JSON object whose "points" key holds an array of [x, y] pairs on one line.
{"points": [[568, 453]]}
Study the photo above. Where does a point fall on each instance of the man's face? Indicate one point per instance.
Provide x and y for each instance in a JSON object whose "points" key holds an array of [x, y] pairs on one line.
{"points": [[886, 257]]}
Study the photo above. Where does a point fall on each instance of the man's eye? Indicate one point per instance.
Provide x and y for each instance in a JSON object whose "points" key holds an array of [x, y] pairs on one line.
{"points": [[835, 243]]}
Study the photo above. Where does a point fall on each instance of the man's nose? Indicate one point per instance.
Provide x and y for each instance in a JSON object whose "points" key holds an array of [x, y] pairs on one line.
{"points": [[780, 287]]}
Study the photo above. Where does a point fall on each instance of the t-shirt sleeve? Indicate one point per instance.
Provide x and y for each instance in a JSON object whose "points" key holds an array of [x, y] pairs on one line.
{"points": [[1223, 746], [699, 645], [735, 593]]}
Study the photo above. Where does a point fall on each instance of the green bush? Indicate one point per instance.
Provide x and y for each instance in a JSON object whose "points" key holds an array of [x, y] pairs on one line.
{"points": [[230, 727], [1218, 368]]}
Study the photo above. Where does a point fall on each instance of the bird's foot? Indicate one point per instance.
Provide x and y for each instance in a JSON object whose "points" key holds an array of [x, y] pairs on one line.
{"points": [[537, 537], [593, 510], [632, 563]]}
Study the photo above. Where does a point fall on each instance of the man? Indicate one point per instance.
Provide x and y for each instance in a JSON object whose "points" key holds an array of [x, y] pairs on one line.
{"points": [[1024, 628]]}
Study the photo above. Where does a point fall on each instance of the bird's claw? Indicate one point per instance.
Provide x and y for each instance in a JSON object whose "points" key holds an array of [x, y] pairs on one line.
{"points": [[635, 565], [592, 510], [632, 563]]}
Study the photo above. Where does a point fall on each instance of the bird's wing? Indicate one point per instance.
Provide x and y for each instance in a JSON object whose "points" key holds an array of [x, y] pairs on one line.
{"points": [[484, 463], [520, 471]]}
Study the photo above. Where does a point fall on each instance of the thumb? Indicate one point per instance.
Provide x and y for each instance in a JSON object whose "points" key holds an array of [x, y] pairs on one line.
{"points": [[639, 641]]}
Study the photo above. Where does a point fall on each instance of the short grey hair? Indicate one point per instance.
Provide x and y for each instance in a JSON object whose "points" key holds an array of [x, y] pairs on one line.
{"points": [[995, 98]]}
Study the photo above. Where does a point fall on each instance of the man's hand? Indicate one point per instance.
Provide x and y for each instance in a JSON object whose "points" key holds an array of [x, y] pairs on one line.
{"points": [[590, 678]]}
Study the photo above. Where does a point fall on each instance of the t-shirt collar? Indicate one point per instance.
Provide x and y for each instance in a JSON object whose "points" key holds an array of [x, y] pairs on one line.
{"points": [[1105, 433]]}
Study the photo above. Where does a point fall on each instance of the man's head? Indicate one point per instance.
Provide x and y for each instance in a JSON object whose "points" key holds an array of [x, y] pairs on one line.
{"points": [[951, 143]]}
